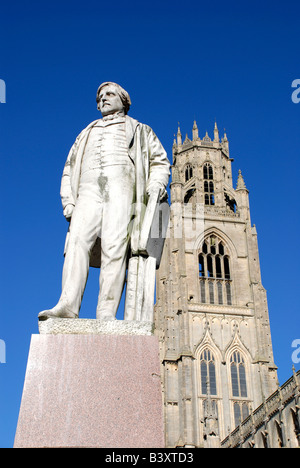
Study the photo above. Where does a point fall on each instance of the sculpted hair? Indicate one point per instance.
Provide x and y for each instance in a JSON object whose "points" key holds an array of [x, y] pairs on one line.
{"points": [[124, 96]]}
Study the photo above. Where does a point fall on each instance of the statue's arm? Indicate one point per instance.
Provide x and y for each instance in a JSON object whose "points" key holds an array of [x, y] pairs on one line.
{"points": [[159, 165], [66, 192], [67, 198]]}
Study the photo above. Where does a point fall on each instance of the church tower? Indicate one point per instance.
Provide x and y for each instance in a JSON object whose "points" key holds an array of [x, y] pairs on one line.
{"points": [[211, 308]]}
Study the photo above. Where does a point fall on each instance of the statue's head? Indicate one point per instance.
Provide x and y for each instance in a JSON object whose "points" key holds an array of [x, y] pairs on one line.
{"points": [[112, 98]]}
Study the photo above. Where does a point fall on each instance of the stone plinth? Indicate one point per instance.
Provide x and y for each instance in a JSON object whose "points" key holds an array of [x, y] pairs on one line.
{"points": [[95, 327], [87, 390]]}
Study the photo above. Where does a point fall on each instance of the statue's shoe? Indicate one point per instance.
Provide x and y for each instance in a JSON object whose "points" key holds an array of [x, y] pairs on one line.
{"points": [[59, 311]]}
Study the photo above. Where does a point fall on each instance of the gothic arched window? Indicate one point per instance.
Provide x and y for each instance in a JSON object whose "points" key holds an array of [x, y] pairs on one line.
{"points": [[208, 373], [238, 375], [209, 193], [208, 175], [188, 172], [214, 272], [239, 389]]}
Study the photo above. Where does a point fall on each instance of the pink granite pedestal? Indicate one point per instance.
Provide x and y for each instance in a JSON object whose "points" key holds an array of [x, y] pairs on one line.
{"points": [[92, 391]]}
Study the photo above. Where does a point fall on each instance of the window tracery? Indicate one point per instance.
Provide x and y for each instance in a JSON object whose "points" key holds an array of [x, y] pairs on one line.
{"points": [[238, 375], [208, 176], [188, 172], [214, 273], [239, 387], [208, 373]]}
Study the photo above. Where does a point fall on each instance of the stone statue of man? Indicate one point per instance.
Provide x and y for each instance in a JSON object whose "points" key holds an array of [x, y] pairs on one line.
{"points": [[114, 166]]}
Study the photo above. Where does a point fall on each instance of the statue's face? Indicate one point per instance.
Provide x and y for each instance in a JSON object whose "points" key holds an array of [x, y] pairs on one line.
{"points": [[109, 100]]}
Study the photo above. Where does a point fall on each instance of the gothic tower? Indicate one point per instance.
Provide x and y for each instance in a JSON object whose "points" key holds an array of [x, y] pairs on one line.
{"points": [[211, 309]]}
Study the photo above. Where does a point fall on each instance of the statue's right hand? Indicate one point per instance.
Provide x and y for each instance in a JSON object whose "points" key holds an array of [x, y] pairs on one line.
{"points": [[68, 212]]}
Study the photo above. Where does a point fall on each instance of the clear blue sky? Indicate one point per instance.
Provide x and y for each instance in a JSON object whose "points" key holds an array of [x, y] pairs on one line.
{"points": [[232, 61]]}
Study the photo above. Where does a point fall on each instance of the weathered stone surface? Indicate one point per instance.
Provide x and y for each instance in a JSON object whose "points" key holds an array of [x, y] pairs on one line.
{"points": [[115, 175], [94, 326], [91, 391], [211, 304]]}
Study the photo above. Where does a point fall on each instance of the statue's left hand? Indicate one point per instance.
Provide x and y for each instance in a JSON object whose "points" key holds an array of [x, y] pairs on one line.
{"points": [[155, 189], [68, 211]]}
